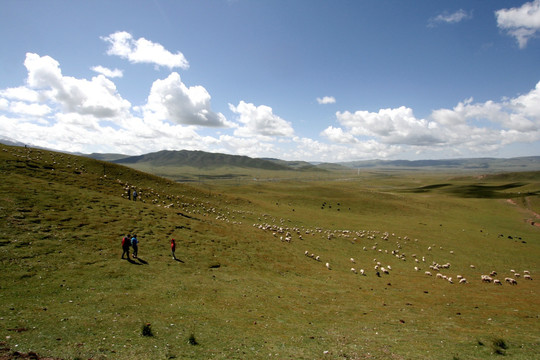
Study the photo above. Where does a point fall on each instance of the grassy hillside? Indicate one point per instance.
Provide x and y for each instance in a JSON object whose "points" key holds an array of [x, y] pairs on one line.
{"points": [[201, 159], [243, 287]]}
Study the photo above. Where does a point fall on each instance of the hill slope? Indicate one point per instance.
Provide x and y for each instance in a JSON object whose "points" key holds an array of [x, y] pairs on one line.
{"points": [[200, 159], [243, 286]]}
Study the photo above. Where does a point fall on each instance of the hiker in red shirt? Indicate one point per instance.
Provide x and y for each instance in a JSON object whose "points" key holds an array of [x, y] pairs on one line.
{"points": [[173, 248], [126, 241]]}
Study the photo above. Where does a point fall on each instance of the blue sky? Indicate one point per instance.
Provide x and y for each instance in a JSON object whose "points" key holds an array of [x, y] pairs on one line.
{"points": [[297, 80]]}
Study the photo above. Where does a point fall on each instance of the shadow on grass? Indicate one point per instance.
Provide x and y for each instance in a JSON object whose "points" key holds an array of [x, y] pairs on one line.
{"points": [[142, 261], [131, 261], [179, 260], [474, 190]]}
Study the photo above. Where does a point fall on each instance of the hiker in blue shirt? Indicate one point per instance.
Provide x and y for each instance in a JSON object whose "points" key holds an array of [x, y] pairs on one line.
{"points": [[135, 245]]}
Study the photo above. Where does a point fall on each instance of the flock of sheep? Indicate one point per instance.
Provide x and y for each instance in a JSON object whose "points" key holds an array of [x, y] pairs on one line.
{"points": [[286, 234]]}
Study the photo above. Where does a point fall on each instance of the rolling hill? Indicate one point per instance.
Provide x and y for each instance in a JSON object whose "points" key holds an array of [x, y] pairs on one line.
{"points": [[251, 280], [200, 159]]}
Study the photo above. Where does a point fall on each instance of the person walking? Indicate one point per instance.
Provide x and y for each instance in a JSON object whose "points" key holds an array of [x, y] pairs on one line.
{"points": [[134, 195], [135, 245], [173, 248], [126, 242]]}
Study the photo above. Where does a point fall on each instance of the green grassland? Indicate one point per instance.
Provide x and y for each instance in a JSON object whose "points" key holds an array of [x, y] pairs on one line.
{"points": [[242, 287]]}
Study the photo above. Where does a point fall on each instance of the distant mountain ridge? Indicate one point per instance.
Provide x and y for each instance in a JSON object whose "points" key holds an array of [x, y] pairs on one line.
{"points": [[528, 163], [200, 159], [206, 160]]}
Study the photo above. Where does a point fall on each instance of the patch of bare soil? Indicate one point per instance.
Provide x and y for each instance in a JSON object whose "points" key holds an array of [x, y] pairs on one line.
{"points": [[7, 354]]}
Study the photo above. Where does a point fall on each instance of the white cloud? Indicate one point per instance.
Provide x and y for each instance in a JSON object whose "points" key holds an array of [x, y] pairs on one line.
{"points": [[326, 100], [143, 51], [20, 93], [337, 135], [107, 72], [71, 114], [170, 99], [312, 150], [260, 120], [97, 97], [391, 126], [450, 18], [520, 22], [468, 128], [22, 108]]}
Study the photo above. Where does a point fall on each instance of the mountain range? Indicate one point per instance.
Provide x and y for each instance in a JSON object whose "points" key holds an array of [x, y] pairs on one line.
{"points": [[207, 160]]}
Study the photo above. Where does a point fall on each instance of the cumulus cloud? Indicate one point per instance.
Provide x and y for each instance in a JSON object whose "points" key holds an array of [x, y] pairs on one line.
{"points": [[391, 126], [449, 18], [67, 113], [170, 99], [97, 97], [260, 120], [19, 107], [20, 93], [141, 50], [107, 72], [523, 22], [326, 100], [337, 135], [469, 126]]}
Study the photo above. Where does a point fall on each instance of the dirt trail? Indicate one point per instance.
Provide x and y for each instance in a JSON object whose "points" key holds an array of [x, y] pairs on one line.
{"points": [[533, 218]]}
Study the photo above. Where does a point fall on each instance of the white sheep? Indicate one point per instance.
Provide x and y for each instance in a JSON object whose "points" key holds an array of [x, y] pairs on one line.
{"points": [[352, 260], [362, 272], [486, 278], [462, 281], [328, 266], [428, 273], [353, 270], [416, 268], [497, 282], [526, 272], [527, 277], [511, 281]]}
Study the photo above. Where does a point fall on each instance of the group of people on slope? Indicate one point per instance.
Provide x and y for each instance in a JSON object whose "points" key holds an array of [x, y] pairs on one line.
{"points": [[130, 241]]}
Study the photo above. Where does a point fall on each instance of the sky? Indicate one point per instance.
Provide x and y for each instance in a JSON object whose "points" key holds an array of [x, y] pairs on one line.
{"points": [[312, 80]]}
